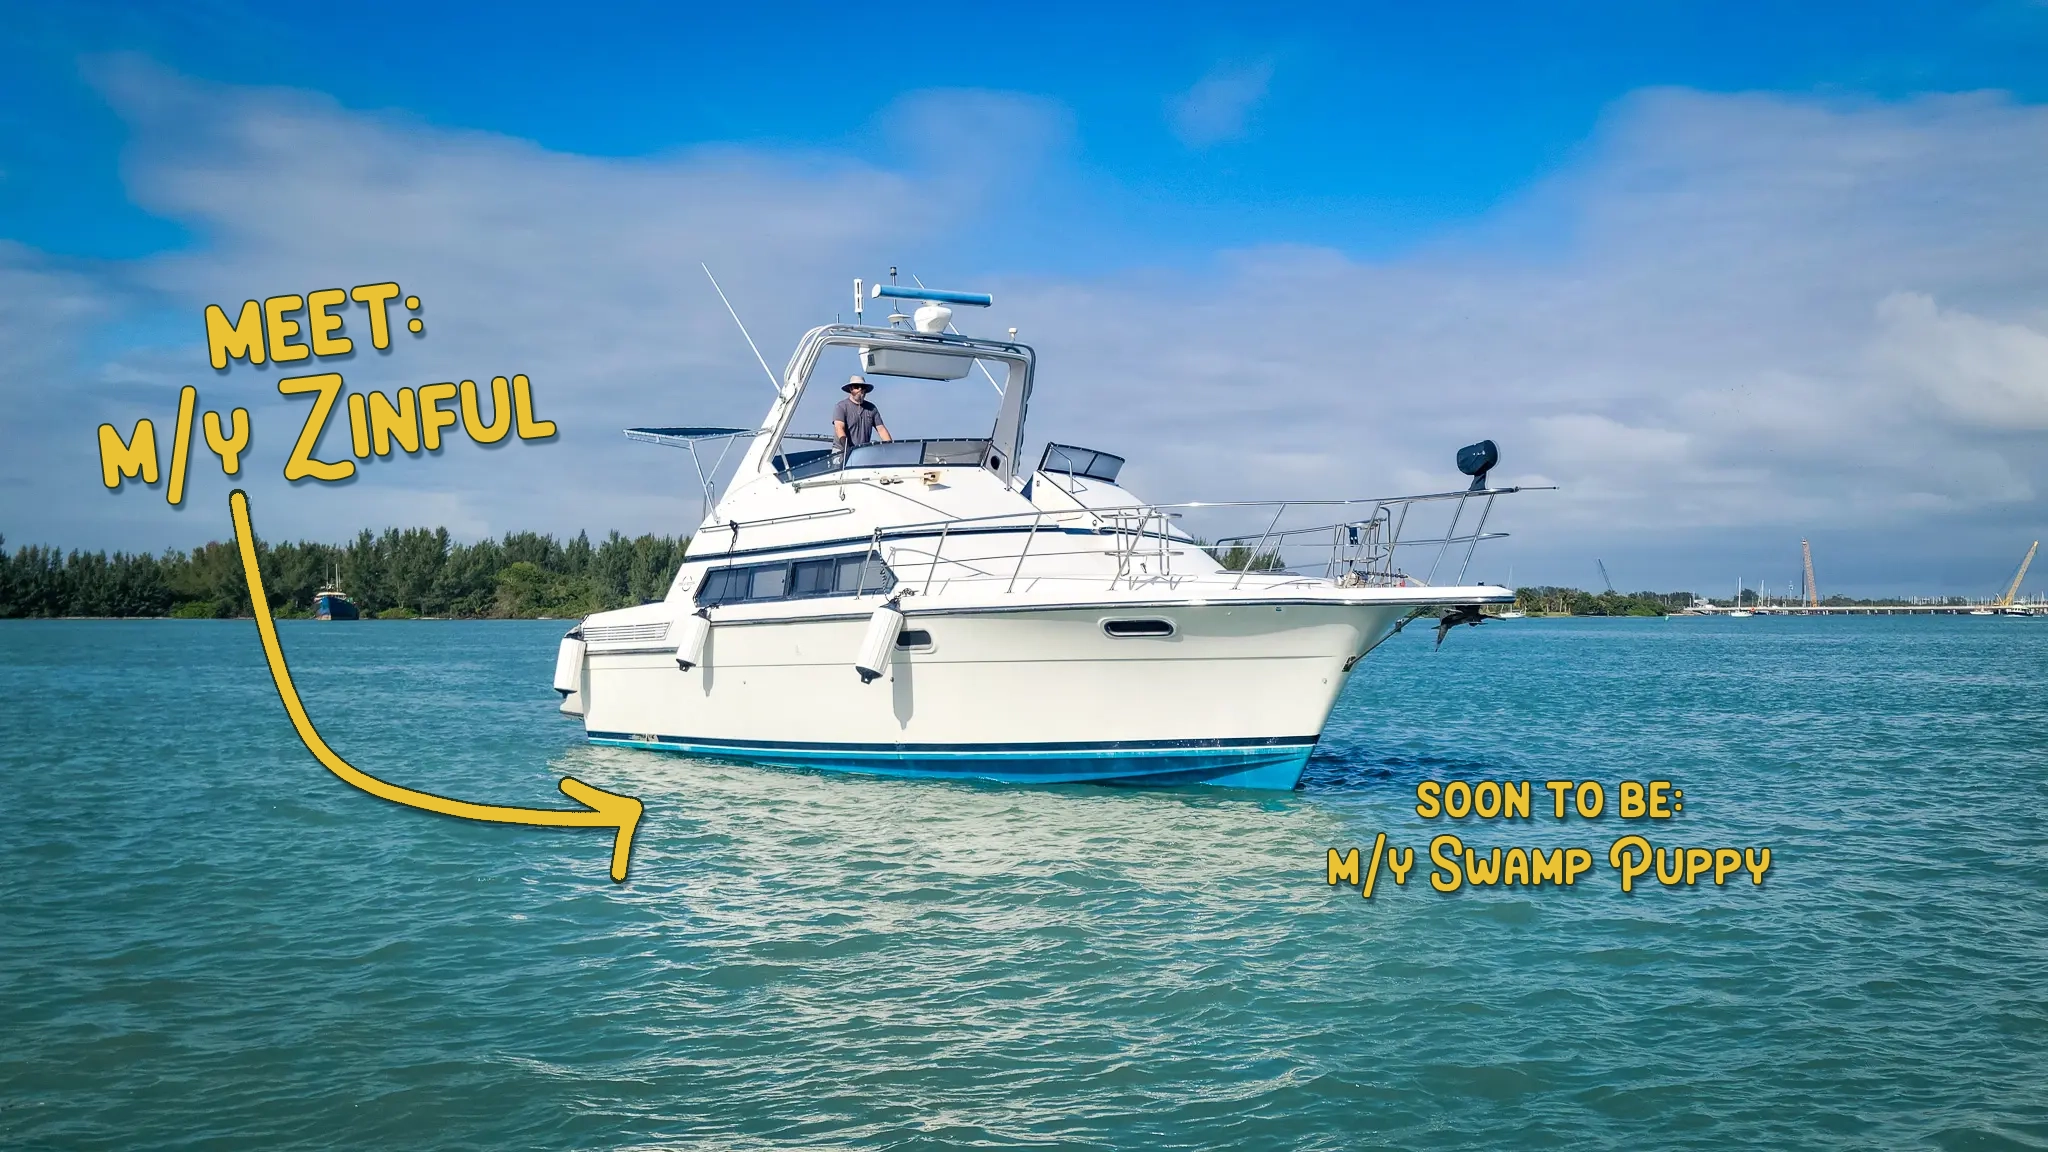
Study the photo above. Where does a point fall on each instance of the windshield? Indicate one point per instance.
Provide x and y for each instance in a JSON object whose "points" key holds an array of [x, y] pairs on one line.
{"points": [[1065, 459], [902, 421]]}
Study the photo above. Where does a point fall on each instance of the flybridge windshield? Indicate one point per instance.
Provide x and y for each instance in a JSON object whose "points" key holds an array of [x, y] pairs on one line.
{"points": [[1067, 460], [894, 454], [960, 399]]}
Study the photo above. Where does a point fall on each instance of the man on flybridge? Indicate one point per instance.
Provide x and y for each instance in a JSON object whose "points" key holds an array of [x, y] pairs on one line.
{"points": [[855, 422]]}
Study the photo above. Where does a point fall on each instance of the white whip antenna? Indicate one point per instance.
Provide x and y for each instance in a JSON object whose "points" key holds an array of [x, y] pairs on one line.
{"points": [[772, 381]]}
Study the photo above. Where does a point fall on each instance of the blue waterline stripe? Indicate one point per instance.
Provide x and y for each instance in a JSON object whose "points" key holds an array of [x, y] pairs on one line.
{"points": [[1058, 748]]}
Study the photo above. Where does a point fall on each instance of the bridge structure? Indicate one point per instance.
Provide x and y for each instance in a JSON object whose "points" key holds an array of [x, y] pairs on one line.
{"points": [[1810, 603], [2016, 609]]}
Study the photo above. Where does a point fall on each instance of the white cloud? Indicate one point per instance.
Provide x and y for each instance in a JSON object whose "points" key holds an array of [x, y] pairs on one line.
{"points": [[47, 312], [1732, 321], [1733, 313], [1983, 373], [1217, 107], [582, 273]]}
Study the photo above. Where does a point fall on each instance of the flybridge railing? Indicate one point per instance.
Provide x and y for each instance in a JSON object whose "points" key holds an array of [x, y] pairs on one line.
{"points": [[1144, 539]]}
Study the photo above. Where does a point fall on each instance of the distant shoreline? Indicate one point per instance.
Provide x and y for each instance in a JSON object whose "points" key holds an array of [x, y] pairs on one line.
{"points": [[303, 619]]}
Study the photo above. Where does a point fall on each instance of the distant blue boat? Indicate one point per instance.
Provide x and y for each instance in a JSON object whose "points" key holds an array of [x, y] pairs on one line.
{"points": [[333, 604]]}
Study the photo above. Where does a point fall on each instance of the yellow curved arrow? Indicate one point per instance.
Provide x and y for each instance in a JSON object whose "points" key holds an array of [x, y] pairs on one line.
{"points": [[605, 809]]}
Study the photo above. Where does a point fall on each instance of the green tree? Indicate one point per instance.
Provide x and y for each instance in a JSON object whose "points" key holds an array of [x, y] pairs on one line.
{"points": [[1239, 558], [399, 572]]}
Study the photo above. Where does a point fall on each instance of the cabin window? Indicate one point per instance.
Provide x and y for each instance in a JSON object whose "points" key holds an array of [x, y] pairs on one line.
{"points": [[1129, 628], [717, 586], [814, 577], [796, 579], [769, 582], [916, 638], [863, 574]]}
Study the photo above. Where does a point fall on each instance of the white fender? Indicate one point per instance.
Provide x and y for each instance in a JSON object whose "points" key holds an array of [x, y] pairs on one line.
{"points": [[690, 639], [569, 665], [878, 643]]}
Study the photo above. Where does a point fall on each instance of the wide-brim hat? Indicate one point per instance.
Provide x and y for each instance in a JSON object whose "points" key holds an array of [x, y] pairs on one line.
{"points": [[856, 382]]}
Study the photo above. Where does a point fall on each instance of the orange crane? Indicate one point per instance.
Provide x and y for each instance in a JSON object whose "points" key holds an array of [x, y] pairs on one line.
{"points": [[1812, 589], [2022, 575]]}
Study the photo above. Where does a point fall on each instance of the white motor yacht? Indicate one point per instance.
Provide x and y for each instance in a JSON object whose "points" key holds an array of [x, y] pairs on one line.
{"points": [[944, 608]]}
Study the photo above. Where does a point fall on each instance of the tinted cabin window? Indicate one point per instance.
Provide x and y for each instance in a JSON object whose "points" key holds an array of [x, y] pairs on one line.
{"points": [[813, 577], [769, 583], [914, 638], [863, 574], [716, 587], [785, 580]]}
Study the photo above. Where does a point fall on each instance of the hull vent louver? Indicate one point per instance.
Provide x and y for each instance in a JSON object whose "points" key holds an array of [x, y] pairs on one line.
{"points": [[649, 633]]}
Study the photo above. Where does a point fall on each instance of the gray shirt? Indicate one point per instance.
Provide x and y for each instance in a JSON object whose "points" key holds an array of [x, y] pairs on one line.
{"points": [[860, 418]]}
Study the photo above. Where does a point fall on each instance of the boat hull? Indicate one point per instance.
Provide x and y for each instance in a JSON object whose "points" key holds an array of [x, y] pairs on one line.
{"points": [[1237, 696], [333, 606]]}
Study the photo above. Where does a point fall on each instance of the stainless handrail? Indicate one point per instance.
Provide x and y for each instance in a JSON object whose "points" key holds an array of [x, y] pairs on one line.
{"points": [[1254, 557], [1101, 513], [938, 551], [1023, 552], [1370, 557]]}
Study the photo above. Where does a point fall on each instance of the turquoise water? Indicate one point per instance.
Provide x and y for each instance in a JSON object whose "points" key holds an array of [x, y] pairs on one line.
{"points": [[209, 941]]}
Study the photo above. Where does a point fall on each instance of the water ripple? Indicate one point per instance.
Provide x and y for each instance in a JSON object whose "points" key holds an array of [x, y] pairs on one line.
{"points": [[210, 941]]}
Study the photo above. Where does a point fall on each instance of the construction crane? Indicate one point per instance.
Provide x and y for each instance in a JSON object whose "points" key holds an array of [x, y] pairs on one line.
{"points": [[2021, 575], [1812, 589], [1606, 579]]}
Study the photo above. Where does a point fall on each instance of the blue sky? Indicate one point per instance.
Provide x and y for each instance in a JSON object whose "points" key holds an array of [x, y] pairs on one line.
{"points": [[1373, 127], [1568, 215]]}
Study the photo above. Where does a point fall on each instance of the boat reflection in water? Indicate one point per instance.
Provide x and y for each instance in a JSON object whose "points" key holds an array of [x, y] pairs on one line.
{"points": [[940, 608]]}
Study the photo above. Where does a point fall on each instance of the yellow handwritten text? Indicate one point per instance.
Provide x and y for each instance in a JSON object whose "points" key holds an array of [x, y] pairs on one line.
{"points": [[269, 329]]}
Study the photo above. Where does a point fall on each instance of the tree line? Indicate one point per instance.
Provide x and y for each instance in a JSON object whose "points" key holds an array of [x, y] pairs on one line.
{"points": [[1552, 600], [400, 573], [404, 573]]}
